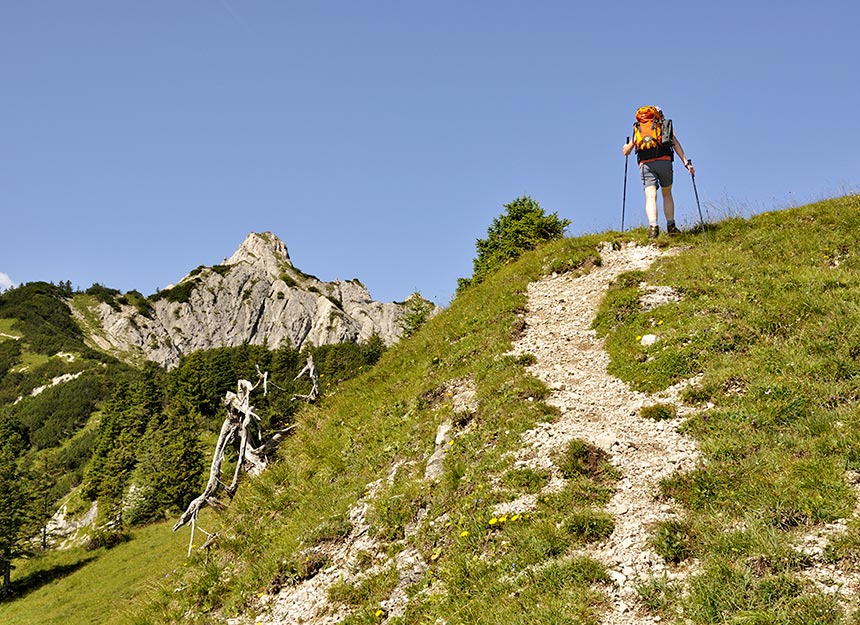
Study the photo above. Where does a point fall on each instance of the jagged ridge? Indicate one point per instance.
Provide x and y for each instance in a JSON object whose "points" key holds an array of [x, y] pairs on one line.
{"points": [[256, 297]]}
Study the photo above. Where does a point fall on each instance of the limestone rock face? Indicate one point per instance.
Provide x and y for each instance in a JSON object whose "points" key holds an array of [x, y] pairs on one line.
{"points": [[257, 297]]}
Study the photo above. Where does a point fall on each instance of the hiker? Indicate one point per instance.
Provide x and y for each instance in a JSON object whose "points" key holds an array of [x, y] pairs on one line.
{"points": [[654, 141]]}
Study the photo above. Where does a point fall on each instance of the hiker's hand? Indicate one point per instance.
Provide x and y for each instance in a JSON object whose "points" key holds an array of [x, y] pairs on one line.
{"points": [[627, 149], [690, 169]]}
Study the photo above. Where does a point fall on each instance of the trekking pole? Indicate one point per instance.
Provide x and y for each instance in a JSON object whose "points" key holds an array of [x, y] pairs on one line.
{"points": [[624, 199], [696, 191]]}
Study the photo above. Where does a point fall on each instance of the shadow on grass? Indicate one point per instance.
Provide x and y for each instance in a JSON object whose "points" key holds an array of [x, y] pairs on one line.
{"points": [[35, 580]]}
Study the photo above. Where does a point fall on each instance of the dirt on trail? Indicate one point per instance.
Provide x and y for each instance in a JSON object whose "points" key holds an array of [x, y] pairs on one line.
{"points": [[603, 411]]}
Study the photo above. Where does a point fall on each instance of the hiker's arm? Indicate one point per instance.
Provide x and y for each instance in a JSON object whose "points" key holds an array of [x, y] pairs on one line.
{"points": [[681, 154], [627, 149]]}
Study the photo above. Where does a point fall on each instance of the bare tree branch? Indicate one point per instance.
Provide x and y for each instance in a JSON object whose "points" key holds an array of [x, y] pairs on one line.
{"points": [[241, 428]]}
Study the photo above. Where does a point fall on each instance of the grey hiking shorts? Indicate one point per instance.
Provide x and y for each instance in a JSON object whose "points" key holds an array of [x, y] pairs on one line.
{"points": [[656, 174]]}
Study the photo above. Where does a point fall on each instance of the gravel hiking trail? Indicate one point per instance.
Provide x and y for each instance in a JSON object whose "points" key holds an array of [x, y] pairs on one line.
{"points": [[603, 411]]}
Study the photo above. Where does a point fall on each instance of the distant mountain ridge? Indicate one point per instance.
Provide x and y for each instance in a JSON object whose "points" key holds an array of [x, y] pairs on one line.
{"points": [[256, 297]]}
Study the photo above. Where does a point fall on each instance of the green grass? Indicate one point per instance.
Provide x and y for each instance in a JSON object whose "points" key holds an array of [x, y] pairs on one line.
{"points": [[767, 315], [30, 361], [101, 586], [769, 318], [384, 417], [6, 328]]}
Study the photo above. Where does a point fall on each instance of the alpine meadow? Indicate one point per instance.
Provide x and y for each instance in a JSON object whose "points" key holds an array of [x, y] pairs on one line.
{"points": [[481, 468]]}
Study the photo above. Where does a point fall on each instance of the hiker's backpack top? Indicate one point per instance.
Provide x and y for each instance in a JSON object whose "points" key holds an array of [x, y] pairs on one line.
{"points": [[652, 134]]}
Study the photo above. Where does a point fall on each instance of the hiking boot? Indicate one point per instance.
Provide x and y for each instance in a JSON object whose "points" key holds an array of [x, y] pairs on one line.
{"points": [[671, 228], [653, 231]]}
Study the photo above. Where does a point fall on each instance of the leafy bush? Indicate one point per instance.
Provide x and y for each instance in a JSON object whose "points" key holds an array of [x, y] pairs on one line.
{"points": [[522, 227]]}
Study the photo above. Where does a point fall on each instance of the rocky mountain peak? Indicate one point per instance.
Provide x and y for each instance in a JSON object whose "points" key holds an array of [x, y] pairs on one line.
{"points": [[255, 297], [264, 251]]}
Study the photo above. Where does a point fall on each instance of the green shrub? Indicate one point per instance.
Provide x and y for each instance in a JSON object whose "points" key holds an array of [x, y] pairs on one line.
{"points": [[522, 227], [179, 294], [416, 313]]}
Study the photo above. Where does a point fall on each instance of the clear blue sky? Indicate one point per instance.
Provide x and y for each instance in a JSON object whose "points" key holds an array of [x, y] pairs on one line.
{"points": [[379, 139]]}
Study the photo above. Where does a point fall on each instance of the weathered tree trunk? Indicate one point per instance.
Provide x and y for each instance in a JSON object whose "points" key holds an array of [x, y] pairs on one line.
{"points": [[241, 428], [311, 370]]}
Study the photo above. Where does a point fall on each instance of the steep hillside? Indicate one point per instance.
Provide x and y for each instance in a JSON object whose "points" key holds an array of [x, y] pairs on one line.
{"points": [[91, 444], [603, 431], [255, 297], [747, 345]]}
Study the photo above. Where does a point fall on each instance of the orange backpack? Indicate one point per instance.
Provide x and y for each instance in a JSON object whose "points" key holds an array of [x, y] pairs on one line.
{"points": [[652, 133]]}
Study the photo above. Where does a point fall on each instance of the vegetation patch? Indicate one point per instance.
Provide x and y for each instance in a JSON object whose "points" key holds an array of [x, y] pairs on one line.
{"points": [[179, 294], [581, 459], [673, 540], [659, 412]]}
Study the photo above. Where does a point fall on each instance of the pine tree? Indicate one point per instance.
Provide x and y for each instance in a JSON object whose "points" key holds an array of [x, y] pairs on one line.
{"points": [[522, 227], [14, 501], [170, 463]]}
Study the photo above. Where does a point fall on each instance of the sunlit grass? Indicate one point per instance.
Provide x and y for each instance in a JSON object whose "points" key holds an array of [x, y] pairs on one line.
{"points": [[768, 317], [7, 332], [102, 586]]}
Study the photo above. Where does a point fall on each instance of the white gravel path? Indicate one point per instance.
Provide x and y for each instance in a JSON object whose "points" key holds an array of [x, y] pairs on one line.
{"points": [[604, 411]]}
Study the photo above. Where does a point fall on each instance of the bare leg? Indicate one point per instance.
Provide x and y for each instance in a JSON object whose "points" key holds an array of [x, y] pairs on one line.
{"points": [[651, 205], [668, 204]]}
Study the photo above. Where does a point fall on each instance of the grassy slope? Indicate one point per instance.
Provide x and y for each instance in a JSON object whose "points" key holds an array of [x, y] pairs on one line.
{"points": [[390, 415], [770, 315], [102, 586]]}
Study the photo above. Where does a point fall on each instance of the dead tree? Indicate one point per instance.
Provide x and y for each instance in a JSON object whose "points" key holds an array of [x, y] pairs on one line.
{"points": [[241, 428], [311, 370]]}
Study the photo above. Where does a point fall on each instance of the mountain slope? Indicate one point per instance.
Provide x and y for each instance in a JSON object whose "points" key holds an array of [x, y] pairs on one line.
{"points": [[255, 297], [765, 316], [755, 353]]}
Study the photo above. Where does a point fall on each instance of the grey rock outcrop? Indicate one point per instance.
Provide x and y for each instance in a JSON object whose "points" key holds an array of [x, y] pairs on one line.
{"points": [[257, 297]]}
